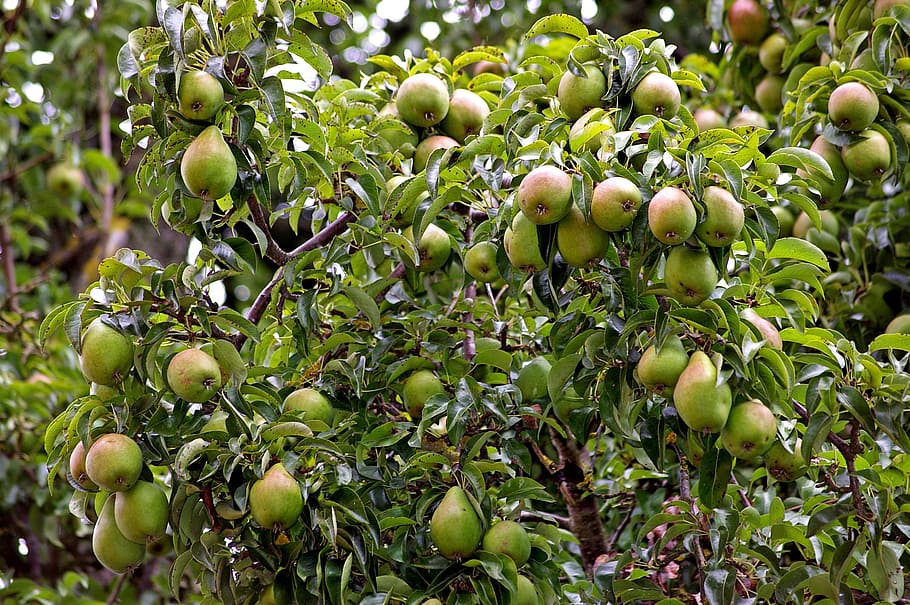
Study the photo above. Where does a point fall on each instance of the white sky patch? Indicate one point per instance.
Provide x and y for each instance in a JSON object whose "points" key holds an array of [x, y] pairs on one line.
{"points": [[430, 30], [666, 14], [392, 10], [217, 291], [42, 57], [588, 9], [33, 91]]}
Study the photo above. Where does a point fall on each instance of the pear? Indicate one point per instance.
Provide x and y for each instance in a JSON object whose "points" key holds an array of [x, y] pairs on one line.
{"points": [[526, 594], [110, 546], [672, 216], [114, 462], [428, 146], [455, 527], [141, 512], [311, 404], [769, 93], [656, 94], [785, 465], [433, 249], [830, 191], [275, 500], [690, 275], [615, 203], [578, 94], [768, 331], [532, 379], [467, 111], [64, 180], [707, 118], [508, 538], [750, 429], [103, 392], [418, 388], [208, 167], [747, 21], [771, 53], [803, 226], [199, 96], [77, 468], [724, 218], [396, 135], [900, 324], [701, 403], [785, 220], [579, 240], [107, 354], [852, 107], [480, 262], [545, 195], [422, 100], [523, 246], [748, 118], [591, 132], [868, 157], [659, 369], [194, 375]]}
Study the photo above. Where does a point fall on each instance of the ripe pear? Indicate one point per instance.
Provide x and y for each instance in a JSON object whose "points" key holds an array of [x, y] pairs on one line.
{"points": [[701, 403], [455, 527], [526, 594], [433, 249], [657, 94], [64, 180], [114, 462], [77, 468], [659, 370], [750, 429], [107, 354], [578, 94], [523, 246], [428, 146], [868, 157], [830, 191], [672, 216], [615, 203], [768, 331], [545, 195], [771, 53], [418, 388], [311, 404], [432, 602], [769, 93], [275, 500], [747, 21], [690, 275], [852, 107], [508, 538], [467, 111], [532, 379], [579, 240], [724, 218], [708, 118], [110, 546], [784, 465], [591, 132], [141, 512], [208, 167], [199, 96], [194, 375], [480, 262], [422, 100]]}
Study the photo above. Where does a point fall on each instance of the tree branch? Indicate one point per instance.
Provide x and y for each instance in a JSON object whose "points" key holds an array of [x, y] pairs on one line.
{"points": [[9, 265], [273, 251]]}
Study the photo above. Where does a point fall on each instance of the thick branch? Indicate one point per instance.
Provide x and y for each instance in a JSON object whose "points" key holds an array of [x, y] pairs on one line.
{"points": [[273, 251], [9, 265], [325, 236]]}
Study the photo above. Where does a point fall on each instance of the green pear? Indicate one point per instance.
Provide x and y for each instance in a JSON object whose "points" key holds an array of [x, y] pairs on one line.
{"points": [[672, 216], [769, 93], [545, 195], [579, 240], [523, 246], [208, 167], [707, 118], [803, 226], [532, 379], [750, 429], [114, 462], [432, 602], [701, 403], [418, 388], [785, 220], [110, 546], [592, 132], [852, 107], [903, 127], [199, 95], [771, 53], [615, 203], [467, 111], [769, 333], [64, 180], [567, 402], [433, 249], [724, 218], [659, 369], [311, 404], [103, 392], [899, 325], [690, 275], [480, 262], [77, 468], [422, 100], [510, 539], [455, 527], [527, 593], [747, 21], [428, 146], [748, 118], [783, 464], [830, 191], [658, 95], [275, 500], [141, 512], [578, 94], [107, 354], [396, 135], [868, 157], [194, 375]]}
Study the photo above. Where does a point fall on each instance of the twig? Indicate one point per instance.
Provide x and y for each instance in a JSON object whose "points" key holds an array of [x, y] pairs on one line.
{"points": [[323, 237], [470, 347], [685, 492], [118, 586], [9, 266], [30, 163]]}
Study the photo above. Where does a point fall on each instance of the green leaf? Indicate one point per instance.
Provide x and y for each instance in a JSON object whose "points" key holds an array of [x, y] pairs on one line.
{"points": [[900, 342], [335, 7], [230, 360], [798, 249], [558, 24], [803, 159], [714, 475], [479, 53], [366, 304]]}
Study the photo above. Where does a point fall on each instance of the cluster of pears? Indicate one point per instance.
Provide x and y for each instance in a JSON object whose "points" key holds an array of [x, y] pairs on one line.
{"points": [[457, 531], [132, 513]]}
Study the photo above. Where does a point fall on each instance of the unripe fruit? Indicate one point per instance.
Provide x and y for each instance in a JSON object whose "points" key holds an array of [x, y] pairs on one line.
{"points": [[110, 546], [868, 157], [747, 117], [724, 218], [580, 241], [311, 404], [418, 388], [803, 224], [107, 354], [532, 379], [433, 249], [771, 53], [141, 512], [829, 190], [427, 147], [208, 167], [701, 403], [527, 593], [77, 468], [194, 375], [671, 216], [747, 21], [275, 500], [659, 370], [64, 180], [480, 262], [881, 7], [749, 430], [114, 462], [577, 95], [690, 275], [768, 93], [784, 465], [455, 527], [522, 245], [422, 100], [615, 203], [707, 119], [467, 111], [768, 331], [657, 94], [591, 132], [508, 538], [852, 107], [199, 95], [545, 195], [785, 220], [899, 325]]}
